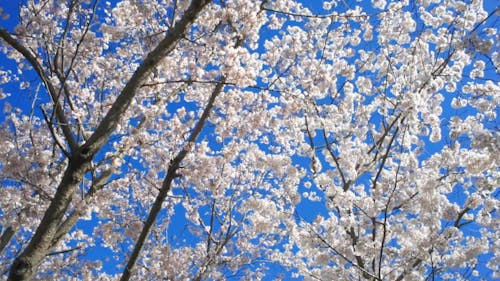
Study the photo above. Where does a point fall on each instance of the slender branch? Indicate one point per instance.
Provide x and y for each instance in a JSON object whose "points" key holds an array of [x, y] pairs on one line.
{"points": [[345, 182], [384, 224], [167, 182], [386, 132], [416, 263], [72, 219], [345, 258], [63, 251], [460, 216], [5, 238], [333, 15], [384, 158], [223, 239], [211, 228], [313, 148], [61, 117], [53, 133], [63, 78], [110, 121], [188, 81]]}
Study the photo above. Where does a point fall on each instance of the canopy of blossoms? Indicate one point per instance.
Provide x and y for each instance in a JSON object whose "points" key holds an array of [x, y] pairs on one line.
{"points": [[235, 139]]}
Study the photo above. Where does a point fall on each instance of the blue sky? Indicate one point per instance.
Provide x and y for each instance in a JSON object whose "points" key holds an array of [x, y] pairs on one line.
{"points": [[308, 210]]}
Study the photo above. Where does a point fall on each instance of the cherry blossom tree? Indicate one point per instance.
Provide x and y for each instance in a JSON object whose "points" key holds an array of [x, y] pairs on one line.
{"points": [[235, 139]]}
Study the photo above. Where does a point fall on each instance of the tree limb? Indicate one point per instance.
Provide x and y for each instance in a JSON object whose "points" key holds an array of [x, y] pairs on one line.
{"points": [[61, 117], [167, 183], [6, 236], [24, 265]]}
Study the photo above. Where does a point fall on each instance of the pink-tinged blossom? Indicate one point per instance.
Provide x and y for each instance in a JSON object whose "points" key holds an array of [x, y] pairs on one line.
{"points": [[328, 139]]}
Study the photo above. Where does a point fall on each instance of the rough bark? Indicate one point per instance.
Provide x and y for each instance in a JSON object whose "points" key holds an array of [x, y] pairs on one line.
{"points": [[6, 236], [24, 266], [37, 249]]}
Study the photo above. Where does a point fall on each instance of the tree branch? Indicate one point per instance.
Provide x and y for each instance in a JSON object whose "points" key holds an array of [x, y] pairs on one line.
{"points": [[61, 117], [110, 121], [167, 182], [41, 242], [5, 238]]}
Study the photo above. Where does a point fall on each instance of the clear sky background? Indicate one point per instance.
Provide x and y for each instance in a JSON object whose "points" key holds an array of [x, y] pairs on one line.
{"points": [[308, 210]]}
